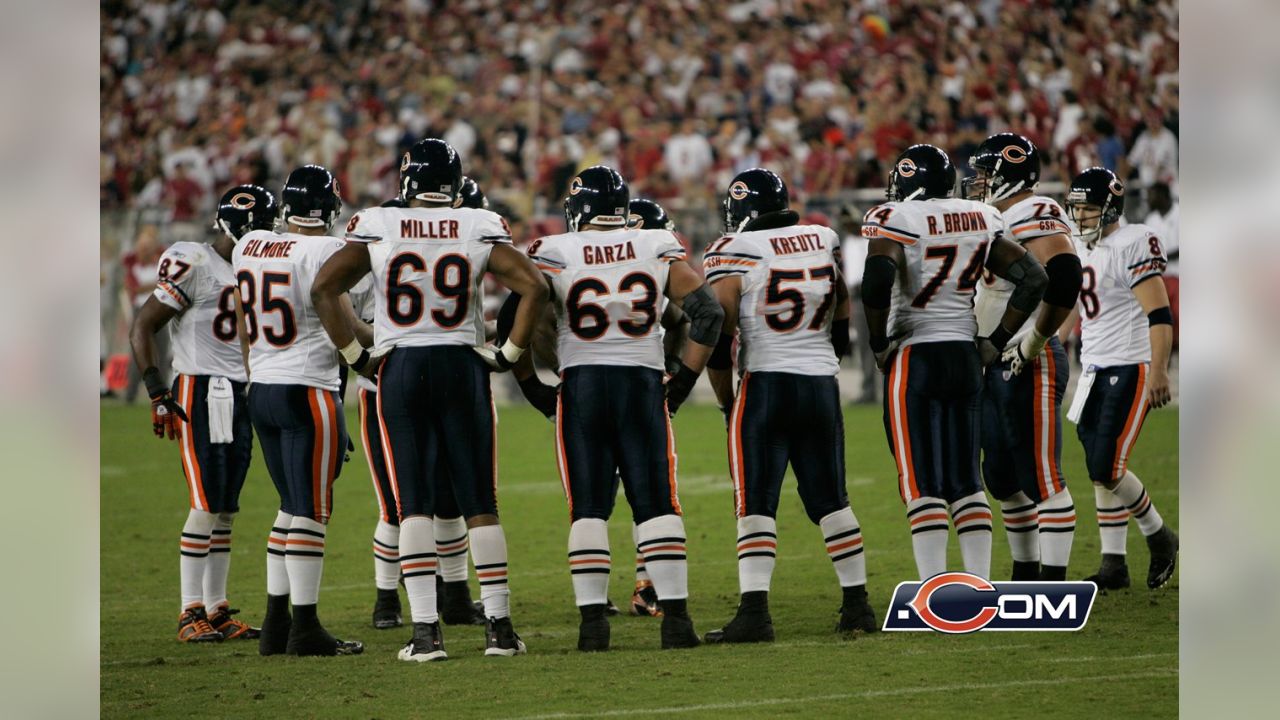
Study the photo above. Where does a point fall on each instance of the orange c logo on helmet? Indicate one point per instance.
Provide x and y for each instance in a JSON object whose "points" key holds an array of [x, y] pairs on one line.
{"points": [[1116, 187], [635, 221], [575, 186], [906, 167], [404, 162], [243, 201], [738, 190], [1014, 154]]}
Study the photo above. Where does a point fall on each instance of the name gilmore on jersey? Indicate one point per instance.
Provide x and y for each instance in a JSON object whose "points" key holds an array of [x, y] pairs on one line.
{"points": [[260, 248]]}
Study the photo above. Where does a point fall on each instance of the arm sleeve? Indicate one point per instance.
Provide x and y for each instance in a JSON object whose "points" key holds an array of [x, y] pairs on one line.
{"points": [[177, 270], [1143, 258], [491, 228], [727, 258], [366, 226]]}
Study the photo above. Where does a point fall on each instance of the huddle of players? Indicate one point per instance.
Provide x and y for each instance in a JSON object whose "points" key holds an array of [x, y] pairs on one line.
{"points": [[400, 299]]}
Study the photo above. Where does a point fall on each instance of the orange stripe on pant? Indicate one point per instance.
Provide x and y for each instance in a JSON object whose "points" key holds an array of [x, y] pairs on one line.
{"points": [[561, 461], [1055, 472], [1039, 424], [671, 461], [1132, 425], [331, 472], [368, 453], [736, 467], [388, 458], [907, 487], [190, 460]]}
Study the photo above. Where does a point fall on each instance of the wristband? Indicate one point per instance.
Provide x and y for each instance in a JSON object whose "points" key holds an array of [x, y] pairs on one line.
{"points": [[878, 344], [1000, 337], [511, 352], [1160, 316], [351, 353], [155, 384]]}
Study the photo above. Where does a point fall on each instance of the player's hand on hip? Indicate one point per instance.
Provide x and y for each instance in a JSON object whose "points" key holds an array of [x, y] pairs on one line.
{"points": [[500, 359], [371, 367], [1158, 392], [988, 353], [885, 356], [1020, 354], [678, 387], [166, 413]]}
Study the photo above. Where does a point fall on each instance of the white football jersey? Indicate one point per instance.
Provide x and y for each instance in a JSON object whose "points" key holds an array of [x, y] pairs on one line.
{"points": [[789, 277], [287, 343], [1113, 328], [1033, 217], [946, 243], [200, 285], [365, 305], [610, 287], [428, 268]]}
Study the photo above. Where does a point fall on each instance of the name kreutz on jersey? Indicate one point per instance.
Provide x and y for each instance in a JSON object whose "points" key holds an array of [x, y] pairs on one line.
{"points": [[1114, 329], [609, 289], [1030, 218], [945, 242], [195, 281], [428, 267], [788, 295], [287, 344]]}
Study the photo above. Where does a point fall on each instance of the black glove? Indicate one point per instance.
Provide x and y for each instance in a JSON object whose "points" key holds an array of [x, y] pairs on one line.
{"points": [[540, 395], [165, 411], [679, 387]]}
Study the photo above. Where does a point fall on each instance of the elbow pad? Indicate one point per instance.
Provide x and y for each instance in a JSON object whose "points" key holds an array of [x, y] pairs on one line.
{"points": [[1065, 278], [1029, 280], [705, 316], [506, 318], [877, 282], [722, 356]]}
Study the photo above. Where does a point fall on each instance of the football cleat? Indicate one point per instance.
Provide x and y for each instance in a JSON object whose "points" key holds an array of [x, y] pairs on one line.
{"points": [[644, 601], [386, 609], [856, 614], [752, 623], [500, 638], [231, 628], [678, 632], [426, 645], [1025, 570], [194, 627], [455, 604], [273, 639], [314, 640], [1113, 575], [1164, 556], [593, 632], [610, 609]]}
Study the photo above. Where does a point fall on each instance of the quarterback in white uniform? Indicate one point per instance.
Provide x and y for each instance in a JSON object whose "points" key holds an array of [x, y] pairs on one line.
{"points": [[1126, 337], [209, 417]]}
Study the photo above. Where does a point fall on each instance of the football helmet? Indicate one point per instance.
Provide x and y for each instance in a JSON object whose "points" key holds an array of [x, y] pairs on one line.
{"points": [[1095, 200], [310, 197], [471, 196], [753, 193], [1006, 164], [921, 172], [597, 195], [649, 215], [244, 208], [432, 171]]}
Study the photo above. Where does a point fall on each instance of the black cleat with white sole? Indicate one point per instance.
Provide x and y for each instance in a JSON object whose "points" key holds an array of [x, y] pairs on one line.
{"points": [[426, 645], [1164, 556], [500, 638], [751, 624], [386, 609], [1112, 575]]}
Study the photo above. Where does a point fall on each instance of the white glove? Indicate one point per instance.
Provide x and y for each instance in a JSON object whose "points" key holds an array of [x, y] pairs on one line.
{"points": [[1019, 355], [500, 359]]}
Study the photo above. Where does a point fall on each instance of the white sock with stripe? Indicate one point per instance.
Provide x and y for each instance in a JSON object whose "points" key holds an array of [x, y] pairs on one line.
{"points": [[642, 575], [662, 542], [1130, 492], [451, 547], [757, 552], [219, 563], [1113, 521], [589, 561], [418, 562], [277, 573], [1020, 521], [193, 556], [929, 533], [386, 555], [972, 518], [489, 552], [843, 537], [304, 560], [1057, 528]]}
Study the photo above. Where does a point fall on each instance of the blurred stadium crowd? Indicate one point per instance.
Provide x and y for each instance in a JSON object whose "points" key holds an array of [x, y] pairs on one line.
{"points": [[679, 95]]}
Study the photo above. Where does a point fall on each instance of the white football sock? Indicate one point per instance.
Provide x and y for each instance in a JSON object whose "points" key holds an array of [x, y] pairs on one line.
{"points": [[277, 573], [219, 563], [1113, 521], [1057, 528], [304, 560], [972, 518], [1020, 522], [451, 547], [589, 561], [662, 541], [193, 556], [489, 552], [929, 533], [386, 555], [757, 552], [642, 575], [1133, 495], [418, 563], [843, 537]]}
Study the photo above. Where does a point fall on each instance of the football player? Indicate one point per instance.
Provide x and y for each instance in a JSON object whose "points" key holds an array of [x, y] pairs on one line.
{"points": [[926, 256], [206, 409], [435, 409], [1126, 336], [294, 404], [612, 411], [1022, 397], [780, 286]]}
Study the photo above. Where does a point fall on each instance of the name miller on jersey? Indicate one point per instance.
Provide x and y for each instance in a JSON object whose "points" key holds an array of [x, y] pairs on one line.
{"points": [[413, 228]]}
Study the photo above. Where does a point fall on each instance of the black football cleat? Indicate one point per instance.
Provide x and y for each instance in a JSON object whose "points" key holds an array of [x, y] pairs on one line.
{"points": [[752, 623], [677, 626], [386, 609], [1112, 575], [593, 631], [856, 615], [426, 645], [273, 638], [1053, 573], [1026, 570], [1164, 556], [194, 627], [500, 638], [456, 607], [610, 609], [223, 621], [308, 637], [644, 601]]}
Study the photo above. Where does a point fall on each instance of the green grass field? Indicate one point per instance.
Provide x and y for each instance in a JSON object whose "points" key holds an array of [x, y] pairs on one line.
{"points": [[1124, 664]]}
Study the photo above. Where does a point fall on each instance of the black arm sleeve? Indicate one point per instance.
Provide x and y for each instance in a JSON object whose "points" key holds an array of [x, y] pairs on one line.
{"points": [[722, 356], [705, 316], [877, 281], [840, 337], [1030, 281], [507, 318], [1065, 277]]}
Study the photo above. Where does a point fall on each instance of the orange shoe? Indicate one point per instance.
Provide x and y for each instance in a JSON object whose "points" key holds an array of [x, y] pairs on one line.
{"points": [[231, 628], [644, 601], [194, 627]]}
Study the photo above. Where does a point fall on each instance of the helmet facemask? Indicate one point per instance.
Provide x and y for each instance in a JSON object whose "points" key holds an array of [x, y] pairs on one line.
{"points": [[1089, 220]]}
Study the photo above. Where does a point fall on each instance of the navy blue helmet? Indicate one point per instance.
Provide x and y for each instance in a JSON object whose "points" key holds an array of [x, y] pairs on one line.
{"points": [[753, 193], [471, 196], [244, 208], [921, 172], [1007, 164], [432, 171], [597, 195], [311, 197], [649, 215], [1099, 189]]}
